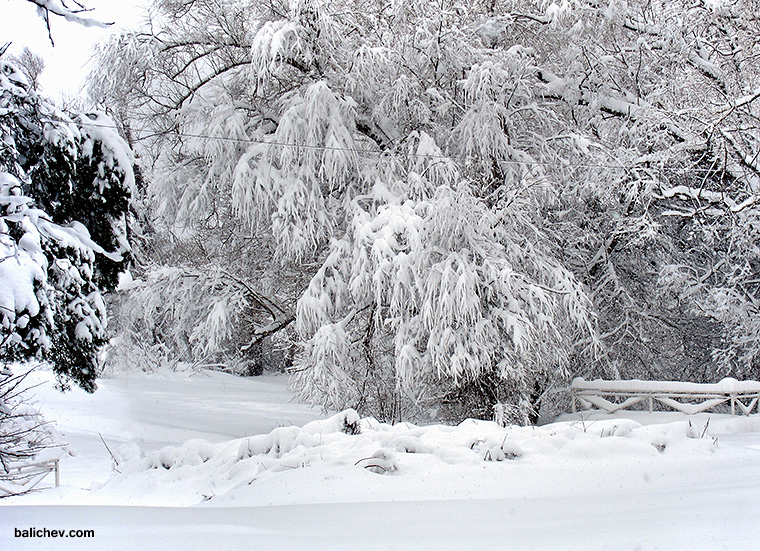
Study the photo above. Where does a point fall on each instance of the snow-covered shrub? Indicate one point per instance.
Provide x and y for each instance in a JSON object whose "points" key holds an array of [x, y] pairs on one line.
{"points": [[506, 451], [418, 455], [24, 433], [381, 462]]}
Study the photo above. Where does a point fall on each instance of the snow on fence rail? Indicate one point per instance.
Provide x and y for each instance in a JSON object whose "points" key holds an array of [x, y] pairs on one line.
{"points": [[20, 478], [689, 398]]}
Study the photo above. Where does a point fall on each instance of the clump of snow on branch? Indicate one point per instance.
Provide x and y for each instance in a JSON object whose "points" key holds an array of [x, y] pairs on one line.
{"points": [[97, 127], [62, 9]]}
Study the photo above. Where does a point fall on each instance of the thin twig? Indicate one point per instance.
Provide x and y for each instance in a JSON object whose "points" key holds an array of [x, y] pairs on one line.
{"points": [[113, 458]]}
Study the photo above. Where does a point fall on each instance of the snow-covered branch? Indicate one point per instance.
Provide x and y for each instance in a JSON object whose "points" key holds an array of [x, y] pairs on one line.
{"points": [[701, 194], [569, 90], [62, 9]]}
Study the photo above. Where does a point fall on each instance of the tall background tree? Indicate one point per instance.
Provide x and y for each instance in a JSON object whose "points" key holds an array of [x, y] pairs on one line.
{"points": [[458, 205]]}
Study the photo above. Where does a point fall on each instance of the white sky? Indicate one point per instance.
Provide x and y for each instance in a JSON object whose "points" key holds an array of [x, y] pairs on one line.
{"points": [[66, 63]]}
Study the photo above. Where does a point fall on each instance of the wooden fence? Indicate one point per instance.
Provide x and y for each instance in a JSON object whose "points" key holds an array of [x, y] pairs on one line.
{"points": [[689, 398], [24, 477]]}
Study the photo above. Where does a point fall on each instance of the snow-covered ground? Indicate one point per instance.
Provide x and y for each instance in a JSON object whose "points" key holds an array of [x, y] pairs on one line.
{"points": [[212, 461]]}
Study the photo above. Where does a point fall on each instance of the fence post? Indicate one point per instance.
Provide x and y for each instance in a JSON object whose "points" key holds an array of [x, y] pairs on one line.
{"points": [[651, 404], [57, 473]]}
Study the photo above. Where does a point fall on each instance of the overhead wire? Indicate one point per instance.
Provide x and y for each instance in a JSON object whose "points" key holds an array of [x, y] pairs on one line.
{"points": [[356, 150]]}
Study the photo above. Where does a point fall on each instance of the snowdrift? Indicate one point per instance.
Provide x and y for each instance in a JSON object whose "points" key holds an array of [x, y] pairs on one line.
{"points": [[368, 457]]}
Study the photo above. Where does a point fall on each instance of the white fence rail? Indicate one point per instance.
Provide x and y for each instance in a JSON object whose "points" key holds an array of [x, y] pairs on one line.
{"points": [[23, 477], [689, 398]]}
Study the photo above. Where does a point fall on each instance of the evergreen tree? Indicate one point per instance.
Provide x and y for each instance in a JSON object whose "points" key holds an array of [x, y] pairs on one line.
{"points": [[78, 169]]}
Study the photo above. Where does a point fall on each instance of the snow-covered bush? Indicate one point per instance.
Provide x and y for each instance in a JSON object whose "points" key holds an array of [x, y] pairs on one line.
{"points": [[24, 433], [416, 456], [205, 315]]}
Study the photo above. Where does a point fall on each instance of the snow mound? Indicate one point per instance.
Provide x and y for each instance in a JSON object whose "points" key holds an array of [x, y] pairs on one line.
{"points": [[345, 447]]}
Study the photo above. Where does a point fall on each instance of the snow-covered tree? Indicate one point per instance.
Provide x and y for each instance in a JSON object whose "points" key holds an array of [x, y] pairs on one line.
{"points": [[31, 64], [393, 155], [452, 197], [667, 92], [74, 167]]}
